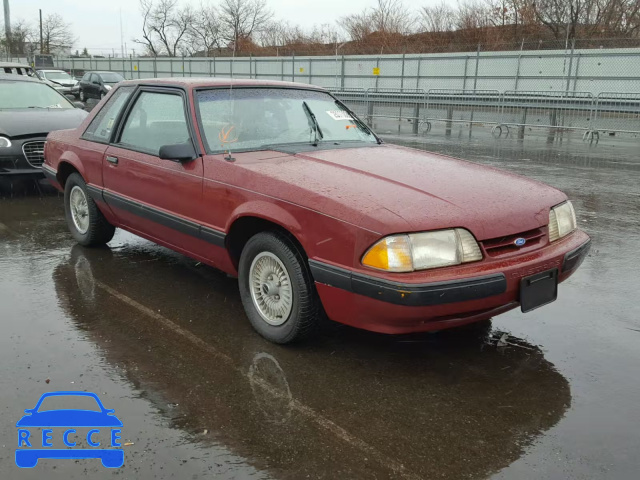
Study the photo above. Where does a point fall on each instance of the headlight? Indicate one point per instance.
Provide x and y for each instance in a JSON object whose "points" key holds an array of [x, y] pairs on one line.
{"points": [[420, 251], [562, 221], [107, 87], [4, 142]]}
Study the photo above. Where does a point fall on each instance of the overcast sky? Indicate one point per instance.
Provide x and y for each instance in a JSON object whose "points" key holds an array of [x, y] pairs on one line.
{"points": [[96, 23]]}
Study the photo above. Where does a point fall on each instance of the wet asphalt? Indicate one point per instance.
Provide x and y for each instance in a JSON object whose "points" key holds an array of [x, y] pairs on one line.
{"points": [[164, 341]]}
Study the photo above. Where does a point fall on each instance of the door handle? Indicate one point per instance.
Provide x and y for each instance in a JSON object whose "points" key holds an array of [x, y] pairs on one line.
{"points": [[113, 160]]}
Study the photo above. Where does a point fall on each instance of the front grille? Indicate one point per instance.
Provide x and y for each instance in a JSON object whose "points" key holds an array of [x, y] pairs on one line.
{"points": [[496, 247], [34, 152]]}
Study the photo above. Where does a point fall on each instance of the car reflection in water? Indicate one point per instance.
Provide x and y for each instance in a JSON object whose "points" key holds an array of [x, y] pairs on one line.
{"points": [[349, 405]]}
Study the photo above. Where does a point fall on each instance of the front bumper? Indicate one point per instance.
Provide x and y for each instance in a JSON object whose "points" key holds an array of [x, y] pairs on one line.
{"points": [[18, 167], [378, 304], [65, 90]]}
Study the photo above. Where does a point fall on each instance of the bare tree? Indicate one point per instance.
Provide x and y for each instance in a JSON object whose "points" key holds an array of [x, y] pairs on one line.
{"points": [[56, 34], [588, 18], [165, 25], [391, 16], [148, 39], [204, 33], [240, 19], [387, 17], [22, 39], [439, 18], [472, 15]]}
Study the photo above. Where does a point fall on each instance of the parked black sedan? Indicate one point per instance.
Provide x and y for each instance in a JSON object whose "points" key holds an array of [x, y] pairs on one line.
{"points": [[29, 110], [97, 84]]}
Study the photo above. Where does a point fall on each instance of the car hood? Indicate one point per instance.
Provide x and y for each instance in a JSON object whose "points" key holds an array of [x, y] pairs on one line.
{"points": [[69, 418], [63, 83], [391, 189], [34, 121]]}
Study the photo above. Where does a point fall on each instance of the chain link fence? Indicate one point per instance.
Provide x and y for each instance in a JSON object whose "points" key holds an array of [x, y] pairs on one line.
{"points": [[583, 90], [571, 70]]}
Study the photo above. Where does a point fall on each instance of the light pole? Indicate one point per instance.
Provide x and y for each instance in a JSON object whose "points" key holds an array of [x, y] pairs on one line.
{"points": [[7, 26]]}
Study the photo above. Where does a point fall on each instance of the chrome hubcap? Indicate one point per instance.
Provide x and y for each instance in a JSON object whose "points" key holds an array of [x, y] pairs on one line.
{"points": [[79, 209], [271, 289]]}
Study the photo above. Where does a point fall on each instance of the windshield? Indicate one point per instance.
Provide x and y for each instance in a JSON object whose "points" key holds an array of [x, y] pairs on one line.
{"points": [[111, 77], [253, 118], [30, 95], [57, 76], [69, 402]]}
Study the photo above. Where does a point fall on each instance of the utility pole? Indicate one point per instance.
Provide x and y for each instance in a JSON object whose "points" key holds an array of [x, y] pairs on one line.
{"points": [[41, 42], [7, 26], [121, 36]]}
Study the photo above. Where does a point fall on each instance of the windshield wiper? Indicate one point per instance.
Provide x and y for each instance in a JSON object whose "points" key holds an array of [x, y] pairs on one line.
{"points": [[359, 122], [313, 123]]}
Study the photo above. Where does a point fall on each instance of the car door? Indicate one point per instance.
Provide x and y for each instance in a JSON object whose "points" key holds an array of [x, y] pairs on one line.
{"points": [[84, 83], [153, 197], [95, 86]]}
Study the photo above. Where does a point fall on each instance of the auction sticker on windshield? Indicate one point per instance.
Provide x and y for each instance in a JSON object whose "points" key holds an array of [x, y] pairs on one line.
{"points": [[88, 431], [339, 115]]}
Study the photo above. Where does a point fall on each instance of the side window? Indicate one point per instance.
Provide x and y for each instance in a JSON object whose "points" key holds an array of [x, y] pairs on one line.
{"points": [[155, 120], [94, 78], [99, 130]]}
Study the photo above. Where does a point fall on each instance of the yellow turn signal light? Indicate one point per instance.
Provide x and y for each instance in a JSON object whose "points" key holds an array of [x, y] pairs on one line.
{"points": [[392, 254]]}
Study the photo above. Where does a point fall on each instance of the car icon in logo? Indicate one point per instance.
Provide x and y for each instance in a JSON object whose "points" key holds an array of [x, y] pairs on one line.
{"points": [[27, 456], [519, 242]]}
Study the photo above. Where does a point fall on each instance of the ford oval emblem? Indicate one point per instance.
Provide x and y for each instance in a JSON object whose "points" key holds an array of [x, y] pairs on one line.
{"points": [[520, 242]]}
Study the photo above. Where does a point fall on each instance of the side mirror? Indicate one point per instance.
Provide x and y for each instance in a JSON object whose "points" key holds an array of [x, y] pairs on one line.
{"points": [[78, 105], [96, 82], [180, 152]]}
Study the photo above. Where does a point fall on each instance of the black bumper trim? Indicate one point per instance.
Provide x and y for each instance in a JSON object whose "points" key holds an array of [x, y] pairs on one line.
{"points": [[188, 227], [50, 174], [574, 258], [409, 294]]}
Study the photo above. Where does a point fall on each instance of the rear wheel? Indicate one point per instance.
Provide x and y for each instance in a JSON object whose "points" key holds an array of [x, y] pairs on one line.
{"points": [[85, 221], [277, 289]]}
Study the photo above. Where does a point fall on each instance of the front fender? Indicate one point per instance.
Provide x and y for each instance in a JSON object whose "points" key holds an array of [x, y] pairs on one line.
{"points": [[270, 212]]}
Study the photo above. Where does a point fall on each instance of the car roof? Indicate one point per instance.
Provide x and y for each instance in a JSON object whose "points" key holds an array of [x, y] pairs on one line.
{"points": [[102, 71], [46, 70], [12, 77], [16, 65], [203, 82]]}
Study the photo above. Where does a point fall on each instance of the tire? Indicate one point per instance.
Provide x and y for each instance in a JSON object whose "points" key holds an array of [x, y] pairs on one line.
{"points": [[82, 96], [304, 315], [98, 230], [102, 95]]}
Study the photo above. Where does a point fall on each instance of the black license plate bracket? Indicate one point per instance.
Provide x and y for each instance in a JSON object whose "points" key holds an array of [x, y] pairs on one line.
{"points": [[538, 290]]}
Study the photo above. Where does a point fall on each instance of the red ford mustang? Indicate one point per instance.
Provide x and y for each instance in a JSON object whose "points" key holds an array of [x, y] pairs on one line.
{"points": [[283, 186]]}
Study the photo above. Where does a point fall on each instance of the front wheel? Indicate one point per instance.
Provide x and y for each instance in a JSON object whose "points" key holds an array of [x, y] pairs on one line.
{"points": [[276, 288], [83, 98], [85, 221]]}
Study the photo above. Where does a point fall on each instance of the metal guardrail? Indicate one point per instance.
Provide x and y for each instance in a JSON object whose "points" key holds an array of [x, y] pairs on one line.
{"points": [[614, 112], [471, 107], [551, 110], [617, 112], [397, 104]]}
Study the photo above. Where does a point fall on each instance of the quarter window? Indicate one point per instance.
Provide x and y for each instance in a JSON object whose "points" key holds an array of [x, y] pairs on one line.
{"points": [[100, 128], [155, 120]]}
